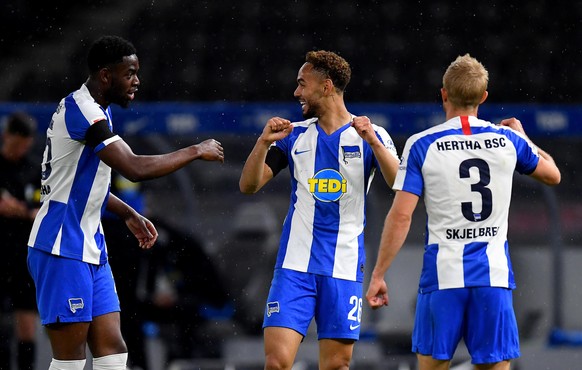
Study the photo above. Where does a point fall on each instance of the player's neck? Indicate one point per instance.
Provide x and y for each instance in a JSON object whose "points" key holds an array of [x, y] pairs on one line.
{"points": [[333, 119], [96, 92], [453, 112]]}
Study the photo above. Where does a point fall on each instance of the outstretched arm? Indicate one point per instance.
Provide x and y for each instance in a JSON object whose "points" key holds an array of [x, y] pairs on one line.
{"points": [[387, 161], [546, 171], [120, 157], [394, 234], [256, 173], [144, 231]]}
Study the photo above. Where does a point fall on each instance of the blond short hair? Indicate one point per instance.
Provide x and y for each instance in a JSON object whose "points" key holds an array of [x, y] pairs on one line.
{"points": [[466, 81]]}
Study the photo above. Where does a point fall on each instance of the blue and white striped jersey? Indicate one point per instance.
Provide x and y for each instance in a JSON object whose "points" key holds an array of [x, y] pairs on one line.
{"points": [[75, 183], [464, 169], [323, 232]]}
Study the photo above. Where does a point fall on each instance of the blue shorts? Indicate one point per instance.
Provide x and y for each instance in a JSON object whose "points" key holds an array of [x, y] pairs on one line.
{"points": [[482, 316], [295, 298], [69, 290]]}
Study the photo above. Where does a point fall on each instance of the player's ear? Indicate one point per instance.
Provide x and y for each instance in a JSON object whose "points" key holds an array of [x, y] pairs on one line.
{"points": [[444, 95], [484, 97], [105, 75], [327, 86]]}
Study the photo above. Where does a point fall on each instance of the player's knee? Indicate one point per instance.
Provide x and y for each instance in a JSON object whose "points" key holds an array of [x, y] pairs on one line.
{"points": [[274, 362], [117, 361], [335, 363], [67, 364], [336, 354]]}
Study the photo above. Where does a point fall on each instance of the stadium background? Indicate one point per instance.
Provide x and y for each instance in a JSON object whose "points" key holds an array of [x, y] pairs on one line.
{"points": [[220, 69]]}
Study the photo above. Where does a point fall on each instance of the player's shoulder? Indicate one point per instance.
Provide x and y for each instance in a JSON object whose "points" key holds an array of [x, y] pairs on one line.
{"points": [[489, 127], [431, 133], [306, 123], [81, 94], [484, 126], [80, 98]]}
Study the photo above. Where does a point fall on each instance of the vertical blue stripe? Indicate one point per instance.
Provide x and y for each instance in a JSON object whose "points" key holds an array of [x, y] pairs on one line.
{"points": [[413, 180], [361, 256], [99, 237], [107, 113], [511, 277], [429, 275], [476, 264], [50, 225], [79, 196]]}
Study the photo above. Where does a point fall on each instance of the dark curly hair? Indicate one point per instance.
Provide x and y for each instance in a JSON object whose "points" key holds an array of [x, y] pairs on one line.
{"points": [[331, 66], [108, 50]]}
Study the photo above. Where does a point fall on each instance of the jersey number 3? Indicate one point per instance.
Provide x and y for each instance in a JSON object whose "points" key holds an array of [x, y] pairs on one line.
{"points": [[478, 187]]}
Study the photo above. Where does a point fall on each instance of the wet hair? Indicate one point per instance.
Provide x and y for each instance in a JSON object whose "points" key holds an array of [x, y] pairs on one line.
{"points": [[466, 81], [108, 50], [20, 123], [331, 66]]}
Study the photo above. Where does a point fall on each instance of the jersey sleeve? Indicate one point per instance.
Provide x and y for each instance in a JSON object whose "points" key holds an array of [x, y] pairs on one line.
{"points": [[282, 144], [99, 135], [386, 140], [527, 153], [80, 116], [276, 159], [409, 175], [278, 155]]}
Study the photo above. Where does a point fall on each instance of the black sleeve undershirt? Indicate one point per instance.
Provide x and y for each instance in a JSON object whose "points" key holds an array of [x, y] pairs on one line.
{"points": [[276, 160], [98, 133]]}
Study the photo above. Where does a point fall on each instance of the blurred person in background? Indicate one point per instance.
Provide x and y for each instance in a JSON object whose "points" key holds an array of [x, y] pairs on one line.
{"points": [[464, 170], [67, 255], [332, 157], [169, 290], [19, 202]]}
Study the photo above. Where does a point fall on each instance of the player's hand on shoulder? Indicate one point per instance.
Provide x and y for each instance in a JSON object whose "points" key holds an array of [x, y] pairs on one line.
{"points": [[211, 150], [276, 128], [278, 124], [513, 123], [364, 128]]}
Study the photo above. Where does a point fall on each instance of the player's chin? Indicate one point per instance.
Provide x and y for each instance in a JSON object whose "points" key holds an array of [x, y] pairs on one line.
{"points": [[307, 113], [124, 101]]}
